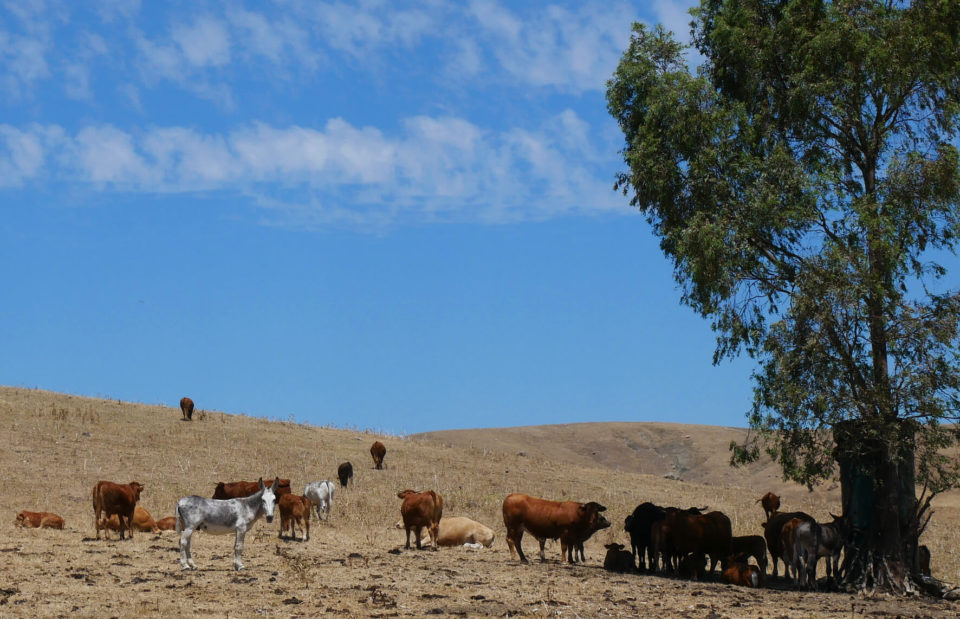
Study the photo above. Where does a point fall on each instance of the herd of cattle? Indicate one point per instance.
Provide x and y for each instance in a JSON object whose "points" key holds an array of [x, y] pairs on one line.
{"points": [[684, 542]]}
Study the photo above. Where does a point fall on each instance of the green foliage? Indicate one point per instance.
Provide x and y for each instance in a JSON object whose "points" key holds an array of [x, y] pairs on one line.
{"points": [[805, 182]]}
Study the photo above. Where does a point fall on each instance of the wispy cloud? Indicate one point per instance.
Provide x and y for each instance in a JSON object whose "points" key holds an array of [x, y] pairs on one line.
{"points": [[434, 168]]}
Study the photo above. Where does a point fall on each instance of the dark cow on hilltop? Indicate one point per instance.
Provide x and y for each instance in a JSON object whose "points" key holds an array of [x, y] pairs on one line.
{"points": [[345, 473], [120, 499], [701, 535], [770, 503], [186, 408], [421, 509], [570, 522], [771, 532], [378, 451], [39, 520], [240, 489]]}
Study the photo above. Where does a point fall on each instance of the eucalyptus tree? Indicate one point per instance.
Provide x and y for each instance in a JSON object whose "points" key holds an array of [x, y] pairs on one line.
{"points": [[804, 180]]}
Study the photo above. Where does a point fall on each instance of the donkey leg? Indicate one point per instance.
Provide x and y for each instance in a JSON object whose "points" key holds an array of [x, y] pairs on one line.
{"points": [[186, 560], [238, 550]]}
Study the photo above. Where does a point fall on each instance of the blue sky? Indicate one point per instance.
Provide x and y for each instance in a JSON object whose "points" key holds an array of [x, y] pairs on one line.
{"points": [[385, 215]]}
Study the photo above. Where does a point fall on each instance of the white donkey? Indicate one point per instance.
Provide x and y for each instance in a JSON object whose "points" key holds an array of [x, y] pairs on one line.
{"points": [[221, 516], [320, 495]]}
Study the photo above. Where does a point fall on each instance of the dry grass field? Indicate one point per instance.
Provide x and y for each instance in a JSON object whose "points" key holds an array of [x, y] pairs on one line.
{"points": [[56, 447]]}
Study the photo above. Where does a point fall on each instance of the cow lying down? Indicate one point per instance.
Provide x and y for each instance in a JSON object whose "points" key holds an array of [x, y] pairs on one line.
{"points": [[459, 531]]}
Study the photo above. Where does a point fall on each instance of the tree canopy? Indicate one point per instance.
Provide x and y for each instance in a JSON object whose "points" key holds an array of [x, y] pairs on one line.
{"points": [[805, 181]]}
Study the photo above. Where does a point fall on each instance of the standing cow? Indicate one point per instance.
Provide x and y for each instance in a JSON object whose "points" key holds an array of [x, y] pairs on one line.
{"points": [[378, 451], [345, 473], [421, 509], [186, 408], [708, 534], [120, 499], [569, 521], [771, 532]]}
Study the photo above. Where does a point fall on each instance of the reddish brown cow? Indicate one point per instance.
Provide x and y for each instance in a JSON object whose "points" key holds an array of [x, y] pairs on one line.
{"points": [[421, 509], [770, 503], [39, 520], [771, 532], [142, 521], [294, 510], [788, 534], [569, 521], [739, 573], [120, 499], [378, 451], [167, 524], [240, 489], [186, 408], [707, 534]]}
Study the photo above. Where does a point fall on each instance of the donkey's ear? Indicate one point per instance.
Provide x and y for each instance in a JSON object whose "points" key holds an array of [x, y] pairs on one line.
{"points": [[276, 484], [260, 483]]}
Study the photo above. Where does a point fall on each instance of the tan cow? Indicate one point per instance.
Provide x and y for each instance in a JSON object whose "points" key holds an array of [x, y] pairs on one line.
{"points": [[142, 521], [167, 524], [458, 531], [39, 520]]}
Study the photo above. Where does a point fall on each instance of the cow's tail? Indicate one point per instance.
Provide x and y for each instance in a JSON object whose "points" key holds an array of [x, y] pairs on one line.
{"points": [[176, 517]]}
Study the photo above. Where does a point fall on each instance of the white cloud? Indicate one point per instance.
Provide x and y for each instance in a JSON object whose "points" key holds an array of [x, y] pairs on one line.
{"points": [[204, 42], [433, 167]]}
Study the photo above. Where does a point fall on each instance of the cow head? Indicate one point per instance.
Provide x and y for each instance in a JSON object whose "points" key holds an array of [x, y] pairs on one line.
{"points": [[137, 488], [592, 511], [613, 546], [405, 493], [20, 518]]}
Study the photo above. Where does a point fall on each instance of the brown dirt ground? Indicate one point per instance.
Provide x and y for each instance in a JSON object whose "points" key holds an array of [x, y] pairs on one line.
{"points": [[57, 446]]}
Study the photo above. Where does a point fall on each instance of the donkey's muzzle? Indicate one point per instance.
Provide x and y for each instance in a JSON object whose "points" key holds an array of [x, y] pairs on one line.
{"points": [[269, 519]]}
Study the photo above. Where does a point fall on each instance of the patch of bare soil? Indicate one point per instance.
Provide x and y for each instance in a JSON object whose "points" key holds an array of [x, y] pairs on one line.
{"points": [[58, 446]]}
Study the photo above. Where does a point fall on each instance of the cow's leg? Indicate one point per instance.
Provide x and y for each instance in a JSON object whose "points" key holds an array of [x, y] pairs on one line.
{"points": [[96, 519], [543, 542], [238, 550], [435, 535], [408, 538], [514, 541], [418, 531], [186, 559]]}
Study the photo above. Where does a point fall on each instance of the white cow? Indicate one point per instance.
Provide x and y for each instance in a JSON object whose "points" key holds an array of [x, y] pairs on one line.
{"points": [[320, 495], [459, 531]]}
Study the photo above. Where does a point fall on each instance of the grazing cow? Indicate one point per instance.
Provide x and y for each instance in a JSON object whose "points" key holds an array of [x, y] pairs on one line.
{"points": [[421, 509], [771, 532], [458, 531], [751, 546], [833, 537], [744, 575], [345, 473], [219, 517], [186, 408], [240, 489], [618, 559], [320, 495], [923, 554], [700, 534], [569, 521], [167, 524], [294, 510], [120, 499], [770, 503], [142, 521], [39, 520], [378, 451]]}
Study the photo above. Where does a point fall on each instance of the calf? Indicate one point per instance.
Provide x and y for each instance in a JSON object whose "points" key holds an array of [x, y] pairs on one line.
{"points": [[771, 533], [459, 531], [142, 521], [167, 524], [120, 499], [186, 408], [294, 510], [751, 546], [345, 473], [770, 503], [240, 489], [378, 451], [421, 509], [741, 574], [569, 521], [39, 520], [320, 495], [618, 559]]}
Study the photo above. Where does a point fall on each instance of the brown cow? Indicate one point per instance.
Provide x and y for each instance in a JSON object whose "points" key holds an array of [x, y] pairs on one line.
{"points": [[742, 574], [120, 499], [167, 524], [294, 510], [771, 532], [39, 520], [186, 408], [618, 559], [142, 521], [345, 473], [700, 534], [569, 521], [378, 451], [421, 509], [751, 546], [240, 489], [770, 503]]}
